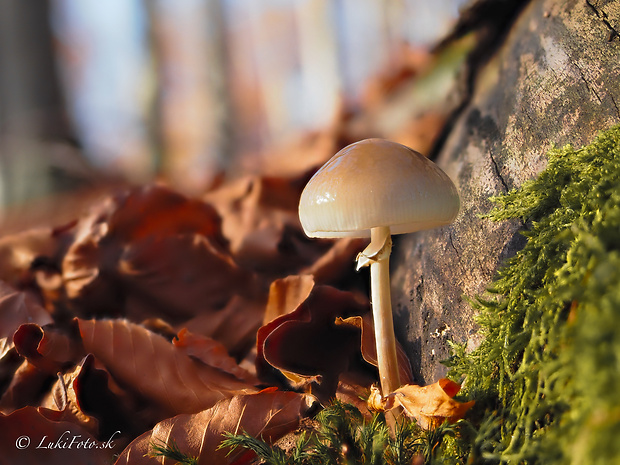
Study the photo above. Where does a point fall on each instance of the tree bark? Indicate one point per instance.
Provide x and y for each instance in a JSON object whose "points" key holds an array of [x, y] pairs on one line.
{"points": [[553, 80]]}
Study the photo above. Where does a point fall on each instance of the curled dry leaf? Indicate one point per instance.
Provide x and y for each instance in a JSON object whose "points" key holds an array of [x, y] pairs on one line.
{"points": [[179, 277], [33, 436], [266, 414], [431, 405], [153, 367], [376, 402], [48, 349], [307, 342], [87, 396]]}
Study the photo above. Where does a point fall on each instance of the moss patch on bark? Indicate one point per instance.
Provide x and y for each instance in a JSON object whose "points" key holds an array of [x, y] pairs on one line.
{"points": [[548, 370]]}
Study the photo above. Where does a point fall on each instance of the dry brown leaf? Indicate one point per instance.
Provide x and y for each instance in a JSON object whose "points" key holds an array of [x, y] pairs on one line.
{"points": [[212, 353], [155, 251], [19, 251], [153, 367], [261, 221], [179, 277], [266, 414], [65, 398], [376, 402], [33, 436], [431, 405], [87, 396], [234, 326]]}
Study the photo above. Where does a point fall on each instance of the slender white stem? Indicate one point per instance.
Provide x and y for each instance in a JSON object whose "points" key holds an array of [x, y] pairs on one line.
{"points": [[382, 311]]}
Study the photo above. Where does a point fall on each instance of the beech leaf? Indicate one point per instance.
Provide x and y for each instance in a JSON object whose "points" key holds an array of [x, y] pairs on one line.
{"points": [[25, 387], [267, 414], [234, 326], [150, 365], [337, 261], [65, 397]]}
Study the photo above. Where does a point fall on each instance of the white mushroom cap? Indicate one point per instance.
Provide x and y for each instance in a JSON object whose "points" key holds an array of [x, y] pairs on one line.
{"points": [[373, 183]]}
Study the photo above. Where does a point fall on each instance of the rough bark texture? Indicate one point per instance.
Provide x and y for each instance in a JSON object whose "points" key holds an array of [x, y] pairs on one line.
{"points": [[554, 80]]}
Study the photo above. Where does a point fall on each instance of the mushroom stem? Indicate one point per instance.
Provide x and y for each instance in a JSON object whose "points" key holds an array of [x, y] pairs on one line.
{"points": [[387, 361]]}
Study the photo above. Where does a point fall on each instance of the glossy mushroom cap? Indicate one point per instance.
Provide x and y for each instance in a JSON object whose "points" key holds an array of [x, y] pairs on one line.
{"points": [[373, 183]]}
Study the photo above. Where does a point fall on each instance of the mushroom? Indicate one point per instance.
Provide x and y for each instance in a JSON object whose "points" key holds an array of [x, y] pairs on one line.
{"points": [[375, 188]]}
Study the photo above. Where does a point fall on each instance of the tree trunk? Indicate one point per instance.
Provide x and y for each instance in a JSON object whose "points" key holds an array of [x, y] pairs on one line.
{"points": [[553, 80], [31, 103]]}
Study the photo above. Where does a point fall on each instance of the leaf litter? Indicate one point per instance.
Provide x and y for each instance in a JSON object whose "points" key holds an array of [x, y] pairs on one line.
{"points": [[155, 318]]}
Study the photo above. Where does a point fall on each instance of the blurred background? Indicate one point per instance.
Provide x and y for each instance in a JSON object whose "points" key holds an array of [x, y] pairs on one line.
{"points": [[184, 90]]}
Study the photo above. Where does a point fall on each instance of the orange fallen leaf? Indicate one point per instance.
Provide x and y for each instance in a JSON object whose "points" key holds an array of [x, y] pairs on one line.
{"points": [[431, 405]]}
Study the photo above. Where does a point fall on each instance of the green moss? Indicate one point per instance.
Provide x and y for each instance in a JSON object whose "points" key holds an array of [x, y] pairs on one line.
{"points": [[548, 369], [345, 437]]}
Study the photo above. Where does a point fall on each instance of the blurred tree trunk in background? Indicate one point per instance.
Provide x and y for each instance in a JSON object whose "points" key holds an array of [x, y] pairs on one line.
{"points": [[32, 108], [319, 63], [222, 119], [191, 119]]}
